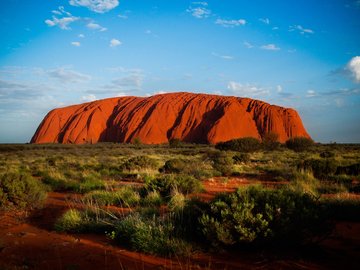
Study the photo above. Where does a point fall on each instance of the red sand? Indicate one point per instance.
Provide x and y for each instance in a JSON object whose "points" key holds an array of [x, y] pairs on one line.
{"points": [[198, 118]]}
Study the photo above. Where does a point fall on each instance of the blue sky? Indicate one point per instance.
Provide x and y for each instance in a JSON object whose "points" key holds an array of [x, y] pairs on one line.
{"points": [[300, 54]]}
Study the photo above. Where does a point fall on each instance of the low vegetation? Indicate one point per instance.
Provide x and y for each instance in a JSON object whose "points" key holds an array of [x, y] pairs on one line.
{"points": [[154, 190]]}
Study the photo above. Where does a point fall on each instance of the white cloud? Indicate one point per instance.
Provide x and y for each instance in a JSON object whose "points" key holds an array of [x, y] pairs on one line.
{"points": [[199, 12], [95, 26], [300, 29], [279, 88], [265, 20], [200, 3], [275, 28], [247, 90], [115, 42], [63, 23], [99, 6], [230, 23], [76, 43], [68, 76], [122, 16], [311, 93], [354, 67], [81, 35], [248, 45], [226, 57], [270, 47], [88, 98]]}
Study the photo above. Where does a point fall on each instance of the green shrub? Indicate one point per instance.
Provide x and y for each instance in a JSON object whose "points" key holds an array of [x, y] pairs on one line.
{"points": [[125, 196], [223, 163], [165, 184], [21, 190], [76, 221], [353, 169], [270, 141], [174, 166], [177, 201], [139, 163], [149, 235], [175, 143], [247, 144], [321, 168], [152, 198], [241, 158], [299, 144], [327, 154], [256, 215]]}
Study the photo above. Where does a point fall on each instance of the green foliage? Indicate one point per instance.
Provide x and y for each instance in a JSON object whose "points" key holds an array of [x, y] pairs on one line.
{"points": [[76, 221], [149, 235], [21, 190], [175, 143], [270, 141], [167, 183], [174, 166], [327, 154], [353, 169], [299, 144], [152, 198], [247, 144], [139, 163], [223, 163], [177, 201], [241, 158], [321, 168], [256, 215], [125, 196]]}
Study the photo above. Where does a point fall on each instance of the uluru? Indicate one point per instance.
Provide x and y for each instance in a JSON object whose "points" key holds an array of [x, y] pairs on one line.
{"points": [[190, 117]]}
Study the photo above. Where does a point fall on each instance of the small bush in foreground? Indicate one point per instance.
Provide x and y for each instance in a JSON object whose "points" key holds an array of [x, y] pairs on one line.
{"points": [[21, 190], [149, 235], [299, 144], [256, 215]]}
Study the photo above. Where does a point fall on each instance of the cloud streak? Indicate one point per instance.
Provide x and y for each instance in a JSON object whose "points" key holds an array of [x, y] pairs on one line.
{"points": [[230, 23], [98, 6]]}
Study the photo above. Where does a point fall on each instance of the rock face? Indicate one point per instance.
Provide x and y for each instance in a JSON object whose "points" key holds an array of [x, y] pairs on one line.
{"points": [[199, 118]]}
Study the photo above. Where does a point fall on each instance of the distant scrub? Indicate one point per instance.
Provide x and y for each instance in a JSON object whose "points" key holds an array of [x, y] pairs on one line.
{"points": [[139, 163], [299, 144], [247, 144], [270, 141], [125, 197], [21, 190], [321, 168]]}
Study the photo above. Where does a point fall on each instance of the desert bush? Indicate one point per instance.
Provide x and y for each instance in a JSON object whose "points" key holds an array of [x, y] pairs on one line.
{"points": [[175, 143], [21, 190], [76, 221], [270, 141], [256, 215], [177, 201], [174, 166], [167, 183], [139, 163], [241, 158], [223, 163], [152, 198], [247, 144], [321, 168], [125, 196], [353, 169], [149, 235], [327, 154], [299, 144]]}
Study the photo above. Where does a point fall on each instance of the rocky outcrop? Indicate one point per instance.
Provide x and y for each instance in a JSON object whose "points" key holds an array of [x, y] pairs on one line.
{"points": [[199, 118]]}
